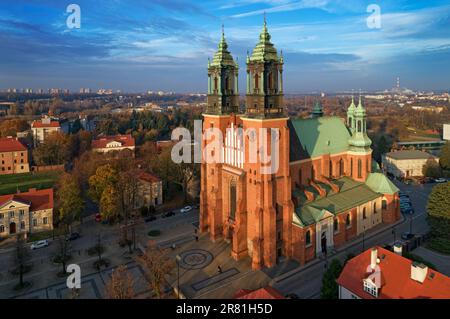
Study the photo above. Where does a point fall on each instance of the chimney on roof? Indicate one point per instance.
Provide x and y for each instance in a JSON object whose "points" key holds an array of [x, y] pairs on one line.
{"points": [[418, 272], [373, 258], [398, 249]]}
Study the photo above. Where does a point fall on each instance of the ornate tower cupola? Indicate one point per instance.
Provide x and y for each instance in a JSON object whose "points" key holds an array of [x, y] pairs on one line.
{"points": [[223, 95], [351, 115], [359, 140], [264, 79], [317, 110]]}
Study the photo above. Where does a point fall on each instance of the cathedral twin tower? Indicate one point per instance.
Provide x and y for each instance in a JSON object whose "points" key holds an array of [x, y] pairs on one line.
{"points": [[264, 81], [238, 202]]}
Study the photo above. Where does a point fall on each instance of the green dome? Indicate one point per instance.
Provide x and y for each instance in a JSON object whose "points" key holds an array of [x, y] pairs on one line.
{"points": [[351, 109], [360, 111], [264, 50], [223, 57]]}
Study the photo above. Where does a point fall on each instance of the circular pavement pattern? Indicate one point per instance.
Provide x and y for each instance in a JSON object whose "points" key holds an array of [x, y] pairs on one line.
{"points": [[195, 259]]}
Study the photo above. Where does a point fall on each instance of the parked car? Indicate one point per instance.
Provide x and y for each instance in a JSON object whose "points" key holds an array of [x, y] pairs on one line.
{"points": [[407, 236], [407, 210], [98, 217], [39, 244], [186, 209], [168, 214], [150, 219], [402, 194], [73, 236], [440, 180]]}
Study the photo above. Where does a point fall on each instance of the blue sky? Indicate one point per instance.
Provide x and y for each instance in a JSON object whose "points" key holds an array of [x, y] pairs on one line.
{"points": [[136, 45]]}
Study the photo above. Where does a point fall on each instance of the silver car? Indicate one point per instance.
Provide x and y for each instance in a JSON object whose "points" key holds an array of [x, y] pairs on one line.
{"points": [[39, 244]]}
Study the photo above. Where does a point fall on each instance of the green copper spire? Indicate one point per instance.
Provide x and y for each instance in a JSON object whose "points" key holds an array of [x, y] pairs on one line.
{"points": [[223, 56], [360, 111], [317, 110], [264, 50], [359, 140]]}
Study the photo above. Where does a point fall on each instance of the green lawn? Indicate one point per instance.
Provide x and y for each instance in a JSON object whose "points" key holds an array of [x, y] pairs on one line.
{"points": [[10, 183]]}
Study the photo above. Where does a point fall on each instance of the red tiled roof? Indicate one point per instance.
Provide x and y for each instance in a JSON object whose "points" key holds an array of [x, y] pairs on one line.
{"points": [[148, 177], [125, 140], [39, 124], [396, 282], [263, 293], [11, 144], [38, 199]]}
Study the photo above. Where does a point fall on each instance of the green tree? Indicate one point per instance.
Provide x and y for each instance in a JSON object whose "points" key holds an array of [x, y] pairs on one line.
{"points": [[76, 127], [432, 169], [439, 217], [105, 175], [444, 160], [109, 206], [55, 150], [69, 200], [329, 286]]}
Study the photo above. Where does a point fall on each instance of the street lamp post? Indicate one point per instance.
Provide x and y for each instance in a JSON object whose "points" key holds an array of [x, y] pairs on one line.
{"points": [[410, 223], [364, 234], [178, 259]]}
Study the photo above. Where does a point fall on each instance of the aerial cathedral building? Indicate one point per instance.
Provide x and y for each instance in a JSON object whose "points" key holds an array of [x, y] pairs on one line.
{"points": [[325, 190]]}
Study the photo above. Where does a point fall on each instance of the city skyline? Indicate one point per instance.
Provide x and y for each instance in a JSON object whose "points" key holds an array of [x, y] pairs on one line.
{"points": [[164, 45]]}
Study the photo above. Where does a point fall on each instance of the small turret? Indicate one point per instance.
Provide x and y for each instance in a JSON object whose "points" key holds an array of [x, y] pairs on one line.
{"points": [[317, 110]]}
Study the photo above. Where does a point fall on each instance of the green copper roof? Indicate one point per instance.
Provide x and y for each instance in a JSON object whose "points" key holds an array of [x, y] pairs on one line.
{"points": [[360, 111], [223, 57], [375, 167], [264, 50], [351, 109], [317, 136], [317, 110], [352, 194], [379, 183]]}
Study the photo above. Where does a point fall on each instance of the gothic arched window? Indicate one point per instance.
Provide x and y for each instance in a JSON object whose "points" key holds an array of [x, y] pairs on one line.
{"points": [[215, 83], [359, 168], [364, 213], [336, 225], [233, 200], [375, 208], [384, 204], [359, 126], [308, 237], [348, 221], [341, 167], [270, 80], [256, 81]]}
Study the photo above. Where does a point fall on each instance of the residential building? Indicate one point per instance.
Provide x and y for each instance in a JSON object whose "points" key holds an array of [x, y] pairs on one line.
{"points": [[43, 127], [25, 213], [446, 134], [13, 156], [320, 188], [406, 163], [107, 144], [150, 191], [379, 273]]}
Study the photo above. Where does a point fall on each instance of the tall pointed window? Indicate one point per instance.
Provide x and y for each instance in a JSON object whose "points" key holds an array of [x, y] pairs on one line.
{"points": [[359, 168], [341, 167], [359, 126], [331, 168], [257, 81], [308, 238], [233, 199], [215, 84], [270, 80], [351, 167]]}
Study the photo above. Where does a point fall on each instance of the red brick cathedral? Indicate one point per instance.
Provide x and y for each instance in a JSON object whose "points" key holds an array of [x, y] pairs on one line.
{"points": [[326, 190]]}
